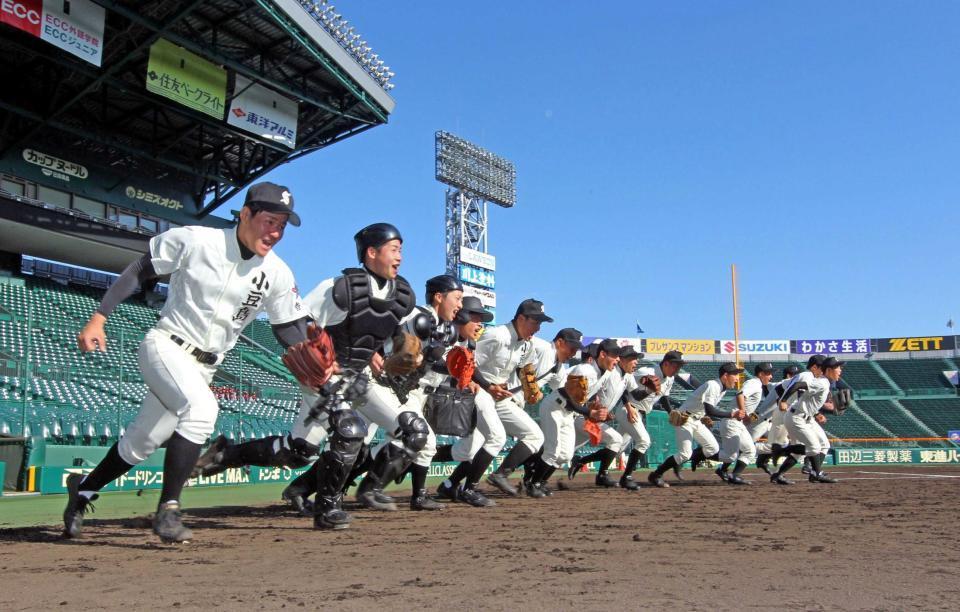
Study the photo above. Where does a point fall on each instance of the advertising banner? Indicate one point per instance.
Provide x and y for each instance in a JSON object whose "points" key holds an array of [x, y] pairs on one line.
{"points": [[658, 346], [923, 343], [83, 175], [263, 112], [832, 346], [186, 78], [478, 258], [755, 347], [75, 26], [854, 456], [487, 298], [476, 276]]}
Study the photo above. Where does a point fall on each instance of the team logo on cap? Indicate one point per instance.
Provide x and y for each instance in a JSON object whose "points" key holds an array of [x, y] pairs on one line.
{"points": [[285, 198], [540, 306]]}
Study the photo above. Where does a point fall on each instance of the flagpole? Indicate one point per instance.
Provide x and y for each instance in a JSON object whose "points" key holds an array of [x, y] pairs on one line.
{"points": [[736, 316]]}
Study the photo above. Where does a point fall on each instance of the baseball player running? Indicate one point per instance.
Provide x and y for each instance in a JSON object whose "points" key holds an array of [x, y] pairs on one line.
{"points": [[803, 400], [489, 429], [500, 351], [736, 442], [693, 420], [611, 387], [359, 312], [640, 393], [770, 423], [219, 281]]}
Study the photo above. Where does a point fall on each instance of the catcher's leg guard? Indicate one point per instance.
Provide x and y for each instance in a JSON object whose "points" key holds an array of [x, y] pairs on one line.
{"points": [[273, 451], [361, 466], [347, 432]]}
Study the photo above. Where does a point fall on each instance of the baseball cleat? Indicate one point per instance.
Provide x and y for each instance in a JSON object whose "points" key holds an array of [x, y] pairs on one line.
{"points": [[296, 498], [547, 491], [779, 479], [535, 490], [445, 492], [722, 474], [576, 464], [475, 498], [657, 481], [821, 477], [627, 482], [422, 501], [500, 481], [736, 479], [168, 524], [377, 500], [209, 462], [334, 518], [77, 506], [602, 480], [676, 472]]}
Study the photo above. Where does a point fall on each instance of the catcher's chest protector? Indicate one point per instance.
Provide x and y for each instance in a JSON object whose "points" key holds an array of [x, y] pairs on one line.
{"points": [[370, 320]]}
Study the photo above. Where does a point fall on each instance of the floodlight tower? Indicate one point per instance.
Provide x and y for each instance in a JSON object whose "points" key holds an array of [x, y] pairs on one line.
{"points": [[474, 177]]}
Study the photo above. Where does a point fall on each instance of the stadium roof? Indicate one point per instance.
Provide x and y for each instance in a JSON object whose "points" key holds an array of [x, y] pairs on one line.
{"points": [[297, 50]]}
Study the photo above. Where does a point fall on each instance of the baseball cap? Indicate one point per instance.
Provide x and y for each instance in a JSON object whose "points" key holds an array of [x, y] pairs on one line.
{"points": [[533, 309], [831, 362], [610, 347], [272, 198], [790, 371], [571, 336], [673, 357], [815, 360], [765, 367], [730, 368], [472, 305], [628, 352], [590, 350]]}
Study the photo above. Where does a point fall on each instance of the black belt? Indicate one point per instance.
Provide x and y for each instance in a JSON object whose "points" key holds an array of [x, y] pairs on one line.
{"points": [[202, 356], [806, 417]]}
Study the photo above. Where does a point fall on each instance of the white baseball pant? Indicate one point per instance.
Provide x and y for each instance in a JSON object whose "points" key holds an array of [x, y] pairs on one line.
{"points": [[178, 399], [736, 443], [686, 434], [559, 430], [488, 435]]}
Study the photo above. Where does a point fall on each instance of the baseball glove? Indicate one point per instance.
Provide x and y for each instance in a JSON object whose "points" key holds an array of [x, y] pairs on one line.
{"points": [[406, 357], [598, 413], [753, 417], [707, 421], [677, 418], [651, 382], [576, 388], [842, 398], [528, 382], [312, 361], [461, 365]]}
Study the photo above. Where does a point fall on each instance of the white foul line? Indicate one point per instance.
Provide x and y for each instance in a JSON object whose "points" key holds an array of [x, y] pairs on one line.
{"points": [[908, 474]]}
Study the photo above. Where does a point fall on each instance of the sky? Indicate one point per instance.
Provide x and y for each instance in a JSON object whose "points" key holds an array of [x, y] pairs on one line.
{"points": [[815, 145]]}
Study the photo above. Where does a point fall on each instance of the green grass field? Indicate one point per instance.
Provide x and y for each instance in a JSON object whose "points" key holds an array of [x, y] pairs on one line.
{"points": [[31, 510], [28, 510]]}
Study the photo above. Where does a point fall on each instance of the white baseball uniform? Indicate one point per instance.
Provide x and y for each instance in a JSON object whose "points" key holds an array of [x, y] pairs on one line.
{"points": [[559, 422], [214, 294], [803, 408], [710, 392], [499, 353], [736, 443]]}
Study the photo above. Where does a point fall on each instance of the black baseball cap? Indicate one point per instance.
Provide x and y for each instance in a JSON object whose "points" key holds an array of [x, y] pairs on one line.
{"points": [[815, 360], [628, 352], [272, 198], [730, 368], [472, 305], [610, 347], [590, 350], [673, 357], [831, 362], [572, 336], [791, 370], [765, 367], [533, 309]]}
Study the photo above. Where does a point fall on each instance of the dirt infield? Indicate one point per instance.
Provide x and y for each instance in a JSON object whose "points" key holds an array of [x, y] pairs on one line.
{"points": [[883, 538]]}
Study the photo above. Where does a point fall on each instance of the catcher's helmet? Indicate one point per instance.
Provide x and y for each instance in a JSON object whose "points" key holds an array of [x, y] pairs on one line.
{"points": [[374, 236], [442, 284]]}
